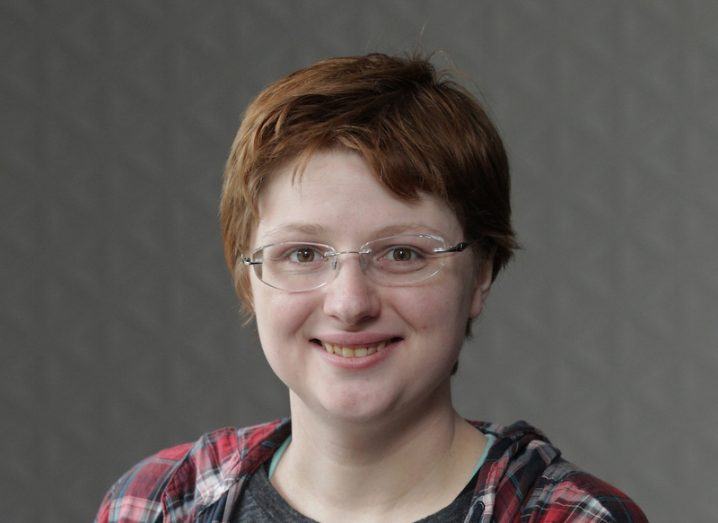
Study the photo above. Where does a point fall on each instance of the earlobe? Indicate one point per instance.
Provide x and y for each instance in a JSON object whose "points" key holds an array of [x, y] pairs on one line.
{"points": [[482, 288]]}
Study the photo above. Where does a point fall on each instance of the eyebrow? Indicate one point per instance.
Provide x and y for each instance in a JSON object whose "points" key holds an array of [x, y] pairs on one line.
{"points": [[313, 229], [405, 227], [317, 230]]}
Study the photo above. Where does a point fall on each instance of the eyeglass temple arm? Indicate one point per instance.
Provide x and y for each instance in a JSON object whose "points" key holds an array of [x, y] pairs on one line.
{"points": [[248, 261], [456, 248]]}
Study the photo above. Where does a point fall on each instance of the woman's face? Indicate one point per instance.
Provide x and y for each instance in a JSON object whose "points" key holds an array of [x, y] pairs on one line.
{"points": [[418, 329]]}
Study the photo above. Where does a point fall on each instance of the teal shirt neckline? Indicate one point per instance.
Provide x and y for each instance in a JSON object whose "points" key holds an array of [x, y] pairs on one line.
{"points": [[490, 439], [278, 455]]}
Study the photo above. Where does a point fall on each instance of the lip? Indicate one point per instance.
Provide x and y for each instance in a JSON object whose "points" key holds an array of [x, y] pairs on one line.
{"points": [[364, 362], [357, 339]]}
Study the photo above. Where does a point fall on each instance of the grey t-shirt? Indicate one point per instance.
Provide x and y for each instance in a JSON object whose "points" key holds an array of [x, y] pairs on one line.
{"points": [[261, 503]]}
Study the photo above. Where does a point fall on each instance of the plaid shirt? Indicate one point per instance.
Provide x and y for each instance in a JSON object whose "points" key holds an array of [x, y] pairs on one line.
{"points": [[523, 479]]}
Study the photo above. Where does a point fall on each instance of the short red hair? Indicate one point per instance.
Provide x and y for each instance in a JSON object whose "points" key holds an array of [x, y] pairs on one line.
{"points": [[417, 129]]}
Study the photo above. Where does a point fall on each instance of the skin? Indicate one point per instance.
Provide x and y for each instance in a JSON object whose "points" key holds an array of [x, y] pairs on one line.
{"points": [[383, 442]]}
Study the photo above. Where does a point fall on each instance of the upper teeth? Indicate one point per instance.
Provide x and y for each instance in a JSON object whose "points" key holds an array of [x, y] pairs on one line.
{"points": [[356, 352]]}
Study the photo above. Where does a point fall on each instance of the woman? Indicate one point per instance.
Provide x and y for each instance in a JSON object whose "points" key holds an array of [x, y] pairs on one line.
{"points": [[365, 214]]}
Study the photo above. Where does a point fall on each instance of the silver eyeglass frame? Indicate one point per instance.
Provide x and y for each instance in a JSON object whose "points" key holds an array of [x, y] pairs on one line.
{"points": [[334, 255]]}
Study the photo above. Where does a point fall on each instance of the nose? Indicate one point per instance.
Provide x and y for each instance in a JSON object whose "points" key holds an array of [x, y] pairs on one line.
{"points": [[350, 297]]}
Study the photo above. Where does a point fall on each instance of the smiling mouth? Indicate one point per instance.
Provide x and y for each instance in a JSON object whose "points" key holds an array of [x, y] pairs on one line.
{"points": [[354, 352]]}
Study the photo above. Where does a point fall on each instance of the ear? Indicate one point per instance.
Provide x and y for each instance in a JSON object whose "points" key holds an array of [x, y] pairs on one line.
{"points": [[482, 287]]}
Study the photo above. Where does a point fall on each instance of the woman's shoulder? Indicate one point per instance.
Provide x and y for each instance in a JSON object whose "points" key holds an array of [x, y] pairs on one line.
{"points": [[182, 478], [527, 475], [564, 490], [136, 495]]}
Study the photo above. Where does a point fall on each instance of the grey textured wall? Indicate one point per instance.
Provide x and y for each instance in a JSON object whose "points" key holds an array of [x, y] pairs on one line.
{"points": [[119, 327]]}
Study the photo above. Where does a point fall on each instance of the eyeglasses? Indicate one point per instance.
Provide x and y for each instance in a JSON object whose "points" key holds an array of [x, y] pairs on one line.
{"points": [[393, 261]]}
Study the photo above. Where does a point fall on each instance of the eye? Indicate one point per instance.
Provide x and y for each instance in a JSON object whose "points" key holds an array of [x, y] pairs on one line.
{"points": [[402, 253], [304, 254]]}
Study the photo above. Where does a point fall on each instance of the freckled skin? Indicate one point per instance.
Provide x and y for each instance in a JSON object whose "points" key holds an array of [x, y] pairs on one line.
{"points": [[338, 192]]}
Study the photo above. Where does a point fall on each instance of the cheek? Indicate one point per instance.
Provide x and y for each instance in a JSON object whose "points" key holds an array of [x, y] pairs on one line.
{"points": [[280, 315], [280, 322], [438, 311]]}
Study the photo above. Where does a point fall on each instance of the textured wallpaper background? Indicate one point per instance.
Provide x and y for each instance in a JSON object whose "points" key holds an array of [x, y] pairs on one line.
{"points": [[119, 327]]}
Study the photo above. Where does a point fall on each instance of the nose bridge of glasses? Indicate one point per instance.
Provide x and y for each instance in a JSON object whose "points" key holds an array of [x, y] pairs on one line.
{"points": [[363, 258]]}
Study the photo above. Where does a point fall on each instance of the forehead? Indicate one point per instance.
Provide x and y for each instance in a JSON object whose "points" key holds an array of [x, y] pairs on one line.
{"points": [[337, 197]]}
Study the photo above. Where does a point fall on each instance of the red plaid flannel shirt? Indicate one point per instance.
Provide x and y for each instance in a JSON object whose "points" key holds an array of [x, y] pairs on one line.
{"points": [[524, 478]]}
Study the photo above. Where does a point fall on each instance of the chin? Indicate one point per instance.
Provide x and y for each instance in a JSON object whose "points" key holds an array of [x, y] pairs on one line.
{"points": [[362, 407]]}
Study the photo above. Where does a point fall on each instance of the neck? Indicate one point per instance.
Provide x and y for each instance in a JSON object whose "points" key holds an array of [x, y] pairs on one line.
{"points": [[339, 468]]}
